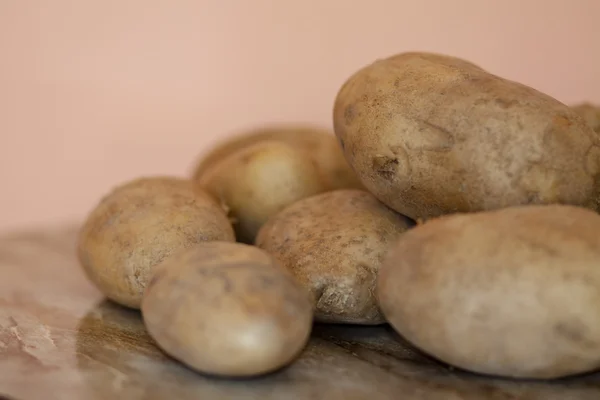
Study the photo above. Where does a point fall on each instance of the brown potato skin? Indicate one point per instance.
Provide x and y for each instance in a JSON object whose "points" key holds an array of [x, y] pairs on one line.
{"points": [[510, 292], [227, 309], [333, 243], [319, 145], [590, 113], [140, 223], [258, 181], [430, 135]]}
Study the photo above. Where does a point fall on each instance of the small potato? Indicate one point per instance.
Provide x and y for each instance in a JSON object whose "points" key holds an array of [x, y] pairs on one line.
{"points": [[512, 292], [318, 144], [227, 309], [430, 135], [140, 223], [590, 113], [334, 244], [258, 181]]}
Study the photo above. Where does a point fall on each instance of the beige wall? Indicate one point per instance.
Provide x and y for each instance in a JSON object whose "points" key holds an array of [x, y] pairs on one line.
{"points": [[96, 92]]}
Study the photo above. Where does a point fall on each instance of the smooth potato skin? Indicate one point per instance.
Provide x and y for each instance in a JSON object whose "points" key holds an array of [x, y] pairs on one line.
{"points": [[258, 181], [227, 309], [512, 292], [333, 243], [140, 223], [430, 135], [318, 144]]}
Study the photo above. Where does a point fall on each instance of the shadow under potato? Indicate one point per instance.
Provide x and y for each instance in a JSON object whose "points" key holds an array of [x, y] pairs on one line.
{"points": [[117, 357], [386, 340]]}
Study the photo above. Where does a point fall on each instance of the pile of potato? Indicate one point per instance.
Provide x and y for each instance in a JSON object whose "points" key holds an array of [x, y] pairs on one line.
{"points": [[455, 205]]}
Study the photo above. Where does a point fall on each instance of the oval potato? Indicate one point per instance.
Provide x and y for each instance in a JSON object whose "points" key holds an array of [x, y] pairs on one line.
{"points": [[512, 292], [318, 144], [333, 243], [227, 309], [429, 135], [137, 225], [258, 181]]}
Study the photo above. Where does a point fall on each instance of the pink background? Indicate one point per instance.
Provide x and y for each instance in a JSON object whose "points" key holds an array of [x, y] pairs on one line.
{"points": [[96, 92]]}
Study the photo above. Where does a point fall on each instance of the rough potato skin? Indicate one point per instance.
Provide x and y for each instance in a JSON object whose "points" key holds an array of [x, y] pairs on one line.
{"points": [[430, 135], [318, 144], [334, 243], [137, 225], [227, 309], [512, 292], [590, 113], [258, 181]]}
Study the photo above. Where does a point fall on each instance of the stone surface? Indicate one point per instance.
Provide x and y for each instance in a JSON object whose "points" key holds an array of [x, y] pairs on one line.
{"points": [[60, 339]]}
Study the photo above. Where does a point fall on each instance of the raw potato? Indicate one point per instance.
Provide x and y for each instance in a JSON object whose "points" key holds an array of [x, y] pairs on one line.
{"points": [[227, 309], [590, 113], [439, 58], [319, 145], [334, 244], [140, 223], [431, 135], [258, 181], [512, 292]]}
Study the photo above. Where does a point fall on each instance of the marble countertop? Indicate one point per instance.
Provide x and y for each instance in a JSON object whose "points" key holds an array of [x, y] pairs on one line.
{"points": [[59, 339]]}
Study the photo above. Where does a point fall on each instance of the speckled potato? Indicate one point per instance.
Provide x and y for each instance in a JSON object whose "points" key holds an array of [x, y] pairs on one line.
{"points": [[258, 181], [512, 292], [318, 144], [137, 225], [227, 309], [333, 243], [590, 113], [429, 135]]}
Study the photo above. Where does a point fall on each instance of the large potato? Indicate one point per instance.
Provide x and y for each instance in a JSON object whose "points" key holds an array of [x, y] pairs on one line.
{"points": [[430, 135], [512, 292], [227, 309], [140, 223], [590, 113], [334, 244], [258, 181], [318, 144]]}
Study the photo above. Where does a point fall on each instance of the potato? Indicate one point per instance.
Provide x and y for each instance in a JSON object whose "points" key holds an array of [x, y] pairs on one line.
{"points": [[140, 223], [333, 243], [431, 135], [590, 113], [319, 144], [227, 309], [439, 58], [258, 181], [512, 292]]}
